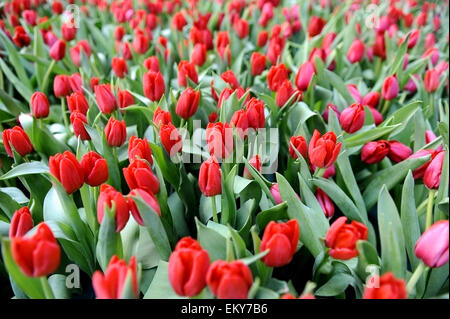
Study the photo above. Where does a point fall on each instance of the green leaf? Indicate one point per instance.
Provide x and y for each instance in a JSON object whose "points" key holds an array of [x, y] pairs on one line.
{"points": [[30, 168], [58, 284], [8, 205], [212, 241], [263, 183], [337, 83], [17, 83], [13, 106], [275, 213], [228, 208], [393, 253], [367, 255], [109, 242], [362, 138], [335, 286], [399, 57], [160, 288]]}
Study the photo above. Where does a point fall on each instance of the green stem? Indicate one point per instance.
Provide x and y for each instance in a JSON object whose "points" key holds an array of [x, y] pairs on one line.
{"points": [[182, 122], [377, 67], [431, 112], [385, 107], [47, 75], [87, 203], [48, 293], [415, 277], [230, 254], [422, 207], [64, 115], [319, 172], [214, 209], [429, 219]]}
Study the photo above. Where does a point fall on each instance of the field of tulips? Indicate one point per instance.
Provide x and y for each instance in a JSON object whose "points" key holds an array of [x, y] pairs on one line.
{"points": [[229, 149]]}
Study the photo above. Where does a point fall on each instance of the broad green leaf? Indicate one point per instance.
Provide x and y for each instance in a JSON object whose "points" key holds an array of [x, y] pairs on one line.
{"points": [[212, 241], [335, 286], [359, 139], [275, 213], [160, 288], [30, 168]]}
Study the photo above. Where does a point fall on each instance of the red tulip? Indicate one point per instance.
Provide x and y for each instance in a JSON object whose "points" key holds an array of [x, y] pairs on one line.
{"points": [[93, 83], [323, 150], [178, 21], [285, 92], [77, 102], [379, 48], [188, 103], [106, 100], [125, 98], [263, 36], [356, 51], [316, 25], [255, 161], [390, 88], [276, 76], [327, 110], [61, 86], [304, 75], [210, 177], [95, 169], [78, 120], [21, 38], [219, 138], [111, 285], [389, 288], [398, 151], [420, 171], [119, 33], [140, 42], [199, 54], [67, 170], [230, 78], [371, 99], [109, 196], [413, 38], [115, 132], [229, 280], [39, 105], [16, 138], [352, 118], [161, 117], [242, 28], [354, 92], [188, 266], [139, 149], [119, 66], [139, 175], [58, 50], [68, 31], [186, 69], [154, 85], [325, 202], [258, 63], [21, 223], [170, 139], [148, 198], [299, 143], [432, 246], [38, 255], [76, 82], [374, 152], [30, 16], [342, 237], [152, 64], [281, 239], [240, 122], [432, 175], [432, 79]]}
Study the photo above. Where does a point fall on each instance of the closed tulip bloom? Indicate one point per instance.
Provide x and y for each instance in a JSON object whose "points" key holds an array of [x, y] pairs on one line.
{"points": [[430, 137], [76, 82], [242, 28], [379, 47], [140, 42], [299, 143], [432, 246], [199, 54], [281, 239], [39, 104], [58, 50], [30, 16], [275, 191], [148, 198], [276, 76], [390, 88], [67, 170], [210, 178], [95, 169], [170, 139], [258, 63], [139, 148], [413, 38], [188, 103], [139, 175], [352, 118], [21, 38], [108, 196], [77, 102], [119, 66], [371, 99], [263, 36], [315, 26], [374, 152], [21, 222], [432, 79], [152, 63], [341, 238], [68, 31], [304, 75], [240, 122], [420, 171], [325, 202], [16, 138], [398, 151], [178, 21], [38, 255], [186, 70], [161, 117], [61, 86], [78, 120], [323, 150], [111, 285], [219, 138], [356, 51], [154, 85], [285, 92], [432, 175], [105, 98], [125, 98], [119, 33], [229, 280], [115, 132], [389, 288], [230, 78], [334, 108], [255, 161], [188, 266]]}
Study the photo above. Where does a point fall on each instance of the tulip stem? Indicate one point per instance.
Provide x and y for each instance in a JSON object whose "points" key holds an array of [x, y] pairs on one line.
{"points": [[47, 75], [48, 293], [87, 203], [429, 219], [64, 115], [385, 107], [214, 209], [431, 109], [319, 172], [415, 277]]}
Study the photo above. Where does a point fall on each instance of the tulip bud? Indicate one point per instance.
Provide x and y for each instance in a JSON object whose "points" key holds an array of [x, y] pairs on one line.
{"points": [[16, 138], [432, 175], [327, 110], [188, 103], [38, 255], [58, 50], [229, 280], [115, 132], [398, 151], [240, 122], [139, 149], [78, 120], [258, 63], [281, 239], [95, 169], [119, 66], [356, 51], [275, 191], [371, 99], [420, 171], [323, 150], [325, 202], [39, 105], [108, 196], [276, 76], [389, 288], [152, 64], [67, 170], [21, 223], [284, 93], [431, 80], [210, 178], [263, 36], [111, 285], [374, 152], [188, 266], [148, 198], [255, 161], [154, 86], [186, 69], [76, 82], [105, 98], [77, 102], [139, 175], [219, 138], [119, 33], [432, 246], [68, 31], [342, 237], [199, 54], [304, 75], [61, 86], [242, 28], [230, 78], [315, 26], [299, 143], [178, 21], [352, 118], [390, 88], [140, 42], [161, 117], [413, 38], [255, 113], [170, 139], [125, 98]]}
